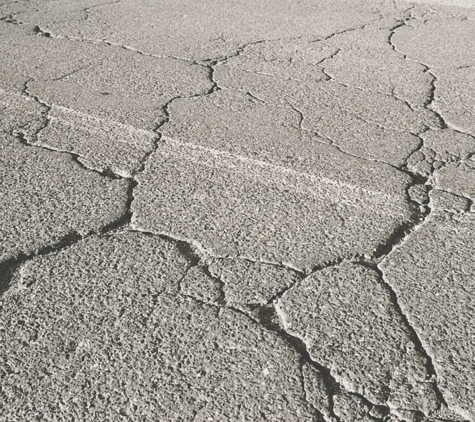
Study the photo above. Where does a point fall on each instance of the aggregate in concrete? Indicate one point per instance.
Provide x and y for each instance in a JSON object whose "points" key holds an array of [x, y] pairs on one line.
{"points": [[253, 210]]}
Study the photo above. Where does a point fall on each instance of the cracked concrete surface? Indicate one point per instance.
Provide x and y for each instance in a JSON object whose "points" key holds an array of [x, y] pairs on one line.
{"points": [[246, 210]]}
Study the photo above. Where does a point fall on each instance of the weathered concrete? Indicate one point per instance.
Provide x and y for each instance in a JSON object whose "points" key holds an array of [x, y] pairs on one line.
{"points": [[221, 210], [98, 331], [231, 205]]}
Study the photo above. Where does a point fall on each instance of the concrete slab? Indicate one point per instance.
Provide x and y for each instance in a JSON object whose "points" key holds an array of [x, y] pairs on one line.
{"points": [[235, 206]]}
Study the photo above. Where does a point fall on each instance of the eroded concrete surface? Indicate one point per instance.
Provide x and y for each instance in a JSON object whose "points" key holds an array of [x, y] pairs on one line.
{"points": [[253, 210]]}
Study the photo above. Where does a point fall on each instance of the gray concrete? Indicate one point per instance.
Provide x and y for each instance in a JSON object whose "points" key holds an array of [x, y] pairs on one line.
{"points": [[439, 299], [237, 211]]}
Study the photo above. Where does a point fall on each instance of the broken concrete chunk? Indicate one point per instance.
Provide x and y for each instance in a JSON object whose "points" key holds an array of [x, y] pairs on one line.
{"points": [[421, 162], [446, 201], [405, 415], [46, 196], [432, 275], [101, 144], [234, 206], [249, 283], [457, 178], [455, 98], [444, 415], [418, 193], [95, 331], [346, 317]]}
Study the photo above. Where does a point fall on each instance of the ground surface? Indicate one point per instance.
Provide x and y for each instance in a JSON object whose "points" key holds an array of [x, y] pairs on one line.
{"points": [[237, 210]]}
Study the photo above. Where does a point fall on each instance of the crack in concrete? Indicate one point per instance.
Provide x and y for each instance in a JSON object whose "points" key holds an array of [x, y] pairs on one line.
{"points": [[332, 385], [429, 103], [270, 320], [320, 64], [207, 63], [24, 138], [335, 145], [318, 412], [413, 334], [344, 31], [265, 320], [268, 311]]}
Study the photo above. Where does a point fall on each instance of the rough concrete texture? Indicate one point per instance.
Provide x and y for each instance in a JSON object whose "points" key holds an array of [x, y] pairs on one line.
{"points": [[20, 114], [234, 206], [103, 145], [439, 299], [336, 310], [120, 343], [96, 79], [237, 211], [251, 283], [46, 197]]}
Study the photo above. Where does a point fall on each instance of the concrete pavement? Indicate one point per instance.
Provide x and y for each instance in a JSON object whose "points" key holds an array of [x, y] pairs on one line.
{"points": [[226, 211]]}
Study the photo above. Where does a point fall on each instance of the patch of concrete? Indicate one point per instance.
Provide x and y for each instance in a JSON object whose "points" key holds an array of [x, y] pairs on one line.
{"points": [[456, 3], [102, 145], [46, 197], [99, 80], [236, 206], [248, 283], [198, 31]]}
